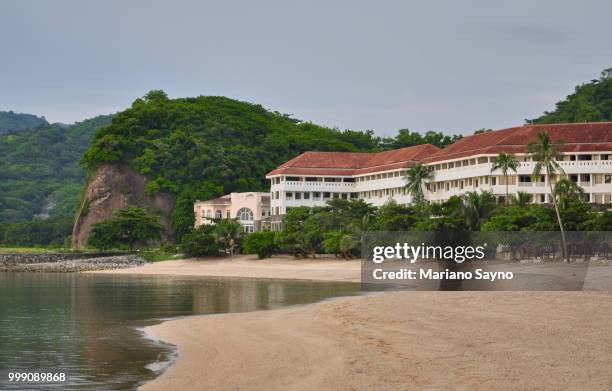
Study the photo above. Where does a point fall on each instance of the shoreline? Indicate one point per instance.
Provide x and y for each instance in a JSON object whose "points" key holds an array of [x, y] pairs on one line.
{"points": [[247, 266], [509, 340], [445, 340]]}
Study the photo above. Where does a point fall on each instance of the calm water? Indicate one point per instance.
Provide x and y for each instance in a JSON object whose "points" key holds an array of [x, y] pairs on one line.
{"points": [[90, 325]]}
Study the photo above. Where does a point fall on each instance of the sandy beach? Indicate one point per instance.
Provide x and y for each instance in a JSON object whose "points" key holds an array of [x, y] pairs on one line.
{"points": [[391, 341], [248, 266], [400, 341]]}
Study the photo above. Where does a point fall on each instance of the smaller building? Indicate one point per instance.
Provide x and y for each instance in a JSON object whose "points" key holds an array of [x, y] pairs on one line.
{"points": [[252, 210]]}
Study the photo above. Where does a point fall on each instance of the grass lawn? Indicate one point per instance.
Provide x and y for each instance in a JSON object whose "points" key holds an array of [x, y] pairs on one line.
{"points": [[30, 250]]}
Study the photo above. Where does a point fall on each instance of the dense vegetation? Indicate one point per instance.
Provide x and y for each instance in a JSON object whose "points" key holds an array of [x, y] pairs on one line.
{"points": [[12, 122], [336, 229], [590, 102], [406, 138], [53, 232], [39, 170]]}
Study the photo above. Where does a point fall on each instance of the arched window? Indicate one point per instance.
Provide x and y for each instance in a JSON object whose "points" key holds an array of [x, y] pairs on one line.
{"points": [[218, 214], [244, 214]]}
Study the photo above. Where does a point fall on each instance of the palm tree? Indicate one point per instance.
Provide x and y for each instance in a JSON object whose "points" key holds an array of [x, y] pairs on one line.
{"points": [[565, 190], [545, 153], [227, 233], [416, 178], [505, 162], [478, 207], [522, 198]]}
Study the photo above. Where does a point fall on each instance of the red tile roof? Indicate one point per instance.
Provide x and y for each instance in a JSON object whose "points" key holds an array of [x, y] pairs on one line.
{"points": [[578, 137], [354, 163]]}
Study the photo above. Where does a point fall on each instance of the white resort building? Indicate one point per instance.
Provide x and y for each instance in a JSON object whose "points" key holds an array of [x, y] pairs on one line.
{"points": [[312, 178], [250, 209]]}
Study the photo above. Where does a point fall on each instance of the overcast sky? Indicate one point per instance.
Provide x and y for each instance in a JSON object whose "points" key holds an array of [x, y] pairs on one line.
{"points": [[453, 66]]}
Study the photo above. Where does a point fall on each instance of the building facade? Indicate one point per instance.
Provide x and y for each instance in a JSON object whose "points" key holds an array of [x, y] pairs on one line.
{"points": [[252, 210], [312, 178]]}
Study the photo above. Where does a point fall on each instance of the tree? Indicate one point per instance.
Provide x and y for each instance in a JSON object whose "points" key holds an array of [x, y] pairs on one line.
{"points": [[516, 217], [227, 234], [478, 207], [522, 198], [260, 243], [200, 241], [545, 153], [127, 227], [394, 217], [505, 162], [599, 222], [566, 190], [416, 177]]}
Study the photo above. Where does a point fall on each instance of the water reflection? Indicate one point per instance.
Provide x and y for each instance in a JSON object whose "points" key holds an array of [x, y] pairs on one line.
{"points": [[88, 325]]}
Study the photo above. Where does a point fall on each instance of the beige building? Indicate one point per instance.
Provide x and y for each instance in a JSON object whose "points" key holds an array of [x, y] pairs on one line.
{"points": [[252, 210]]}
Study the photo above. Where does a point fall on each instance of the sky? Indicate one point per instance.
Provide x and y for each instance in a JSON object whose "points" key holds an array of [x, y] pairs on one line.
{"points": [[451, 66]]}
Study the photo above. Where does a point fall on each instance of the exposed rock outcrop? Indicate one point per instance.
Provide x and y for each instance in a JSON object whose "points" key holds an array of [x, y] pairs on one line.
{"points": [[113, 187]]}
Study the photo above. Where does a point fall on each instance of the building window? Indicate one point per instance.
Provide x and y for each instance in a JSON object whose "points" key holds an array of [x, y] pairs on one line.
{"points": [[306, 196], [218, 214], [289, 195], [493, 181], [244, 214], [298, 196], [209, 213], [316, 195], [326, 195], [607, 178]]}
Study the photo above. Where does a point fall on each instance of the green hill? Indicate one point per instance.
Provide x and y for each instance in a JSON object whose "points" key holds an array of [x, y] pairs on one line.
{"points": [[590, 102], [39, 170], [11, 121], [203, 147]]}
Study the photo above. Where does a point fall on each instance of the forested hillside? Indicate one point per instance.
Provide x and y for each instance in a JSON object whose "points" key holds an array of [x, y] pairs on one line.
{"points": [[203, 147], [39, 169], [11, 121], [590, 102]]}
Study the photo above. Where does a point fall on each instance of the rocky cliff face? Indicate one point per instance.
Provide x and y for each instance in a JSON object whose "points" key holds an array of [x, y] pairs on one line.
{"points": [[114, 187]]}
